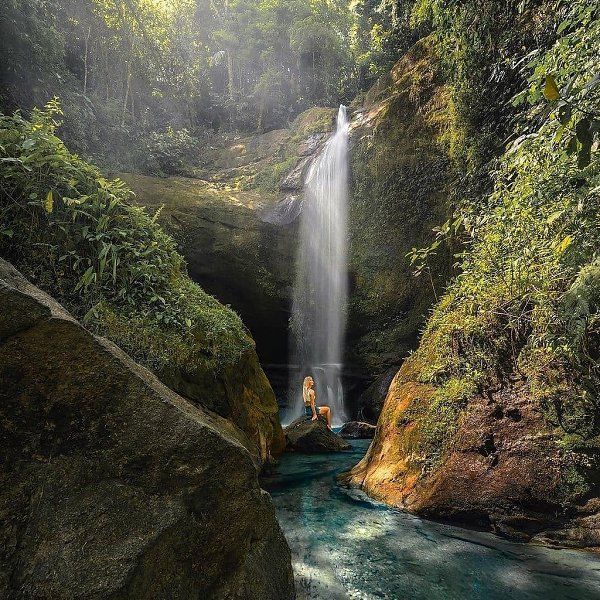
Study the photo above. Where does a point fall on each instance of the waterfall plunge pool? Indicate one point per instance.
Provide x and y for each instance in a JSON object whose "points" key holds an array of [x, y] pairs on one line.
{"points": [[347, 547]]}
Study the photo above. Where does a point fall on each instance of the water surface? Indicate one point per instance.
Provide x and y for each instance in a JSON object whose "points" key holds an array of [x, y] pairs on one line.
{"points": [[345, 546]]}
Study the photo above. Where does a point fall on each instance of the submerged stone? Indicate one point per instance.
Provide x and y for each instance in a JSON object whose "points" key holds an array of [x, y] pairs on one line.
{"points": [[112, 485]]}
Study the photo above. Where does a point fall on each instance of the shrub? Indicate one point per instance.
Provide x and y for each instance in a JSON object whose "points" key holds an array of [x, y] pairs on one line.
{"points": [[79, 237]]}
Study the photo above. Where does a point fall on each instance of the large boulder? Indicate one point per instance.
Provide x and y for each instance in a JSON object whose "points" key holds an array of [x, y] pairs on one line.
{"points": [[313, 437], [501, 468], [358, 430], [112, 485]]}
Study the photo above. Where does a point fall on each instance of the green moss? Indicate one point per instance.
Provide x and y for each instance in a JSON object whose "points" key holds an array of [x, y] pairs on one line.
{"points": [[526, 305], [269, 178], [574, 484], [400, 176], [311, 121]]}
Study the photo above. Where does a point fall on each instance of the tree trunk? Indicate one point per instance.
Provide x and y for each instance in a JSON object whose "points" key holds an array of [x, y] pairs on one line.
{"points": [[85, 60], [230, 75], [128, 82]]}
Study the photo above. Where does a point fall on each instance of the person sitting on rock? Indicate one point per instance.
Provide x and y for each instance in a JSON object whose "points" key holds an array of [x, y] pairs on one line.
{"points": [[310, 406]]}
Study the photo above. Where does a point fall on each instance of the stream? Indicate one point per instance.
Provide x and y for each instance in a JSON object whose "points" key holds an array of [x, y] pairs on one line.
{"points": [[345, 546]]}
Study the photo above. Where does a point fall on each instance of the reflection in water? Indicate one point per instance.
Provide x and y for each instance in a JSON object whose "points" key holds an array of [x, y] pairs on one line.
{"points": [[345, 546]]}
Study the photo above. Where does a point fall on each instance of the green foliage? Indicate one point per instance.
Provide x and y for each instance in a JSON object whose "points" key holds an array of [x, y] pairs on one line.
{"points": [[527, 302], [269, 178], [170, 152], [79, 237]]}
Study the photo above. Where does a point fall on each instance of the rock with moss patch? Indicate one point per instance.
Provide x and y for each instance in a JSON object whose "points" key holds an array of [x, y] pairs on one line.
{"points": [[490, 461], [313, 437], [113, 486]]}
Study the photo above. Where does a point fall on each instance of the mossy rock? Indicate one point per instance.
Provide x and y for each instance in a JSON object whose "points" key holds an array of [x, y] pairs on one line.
{"points": [[401, 176], [230, 250], [113, 486]]}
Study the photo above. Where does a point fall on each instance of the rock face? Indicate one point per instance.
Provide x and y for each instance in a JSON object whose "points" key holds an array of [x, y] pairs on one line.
{"points": [[503, 469], [370, 402], [400, 178], [313, 437], [357, 430], [113, 486], [236, 225], [233, 254]]}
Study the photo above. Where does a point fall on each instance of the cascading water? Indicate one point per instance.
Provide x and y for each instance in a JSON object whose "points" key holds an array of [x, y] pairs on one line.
{"points": [[321, 288]]}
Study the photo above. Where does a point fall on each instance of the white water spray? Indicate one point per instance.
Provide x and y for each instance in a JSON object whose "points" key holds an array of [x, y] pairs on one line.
{"points": [[321, 288]]}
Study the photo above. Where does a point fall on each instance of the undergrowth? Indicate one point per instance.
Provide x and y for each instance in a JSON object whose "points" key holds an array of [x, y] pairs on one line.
{"points": [[80, 237], [527, 301]]}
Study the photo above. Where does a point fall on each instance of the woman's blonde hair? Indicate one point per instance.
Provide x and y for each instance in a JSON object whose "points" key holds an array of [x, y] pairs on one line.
{"points": [[305, 389]]}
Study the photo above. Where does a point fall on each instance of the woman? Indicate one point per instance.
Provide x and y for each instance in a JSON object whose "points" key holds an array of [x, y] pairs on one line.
{"points": [[310, 407]]}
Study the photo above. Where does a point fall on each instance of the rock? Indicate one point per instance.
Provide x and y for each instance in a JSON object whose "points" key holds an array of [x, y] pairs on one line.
{"points": [[234, 255], [113, 486], [358, 430], [503, 469], [286, 211], [313, 437], [311, 144], [370, 402], [238, 235], [294, 180], [400, 180]]}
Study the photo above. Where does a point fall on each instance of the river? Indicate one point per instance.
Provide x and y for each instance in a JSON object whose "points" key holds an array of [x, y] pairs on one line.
{"points": [[345, 546]]}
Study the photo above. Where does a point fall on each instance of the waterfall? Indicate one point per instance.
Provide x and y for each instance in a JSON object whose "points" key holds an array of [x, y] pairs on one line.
{"points": [[321, 288]]}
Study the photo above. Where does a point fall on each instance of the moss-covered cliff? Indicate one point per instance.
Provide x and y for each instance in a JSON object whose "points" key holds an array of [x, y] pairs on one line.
{"points": [[496, 418], [80, 237], [401, 176], [235, 224]]}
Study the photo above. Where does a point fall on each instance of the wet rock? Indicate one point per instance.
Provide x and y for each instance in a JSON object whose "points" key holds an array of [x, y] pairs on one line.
{"points": [[286, 211], [113, 486], [294, 180], [312, 437], [370, 402], [237, 257], [311, 144], [358, 430]]}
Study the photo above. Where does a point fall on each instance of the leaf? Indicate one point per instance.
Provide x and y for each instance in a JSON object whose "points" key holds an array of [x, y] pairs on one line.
{"points": [[554, 216], [49, 203], [582, 129], [566, 242], [564, 114], [563, 26], [551, 89], [584, 156]]}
